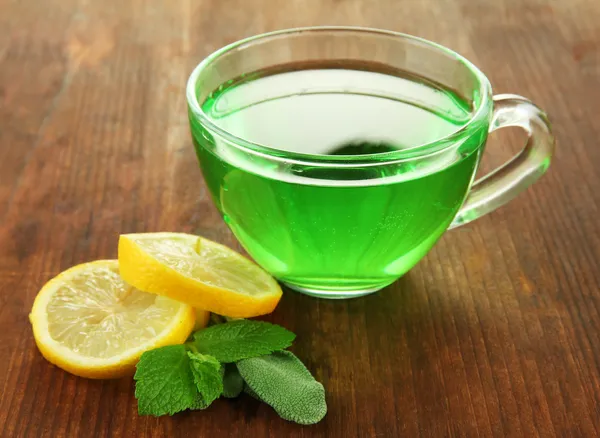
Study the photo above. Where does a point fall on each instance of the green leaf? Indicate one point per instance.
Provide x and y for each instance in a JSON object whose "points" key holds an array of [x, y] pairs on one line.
{"points": [[233, 384], [199, 404], [242, 339], [164, 381], [251, 393], [284, 383], [207, 377]]}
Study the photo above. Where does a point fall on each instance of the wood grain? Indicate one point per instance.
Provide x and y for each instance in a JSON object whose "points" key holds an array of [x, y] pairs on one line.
{"points": [[495, 333]]}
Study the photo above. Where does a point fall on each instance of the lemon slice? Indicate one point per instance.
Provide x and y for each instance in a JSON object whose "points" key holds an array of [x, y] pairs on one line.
{"points": [[202, 318], [198, 272], [89, 322]]}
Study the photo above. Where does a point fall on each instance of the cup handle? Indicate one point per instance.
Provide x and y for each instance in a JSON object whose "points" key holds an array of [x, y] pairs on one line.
{"points": [[506, 182]]}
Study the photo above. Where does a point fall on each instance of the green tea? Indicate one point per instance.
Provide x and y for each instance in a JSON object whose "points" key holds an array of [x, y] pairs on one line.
{"points": [[336, 230]]}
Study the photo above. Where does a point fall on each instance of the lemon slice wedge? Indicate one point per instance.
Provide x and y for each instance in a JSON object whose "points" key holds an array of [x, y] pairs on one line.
{"points": [[198, 272], [91, 323]]}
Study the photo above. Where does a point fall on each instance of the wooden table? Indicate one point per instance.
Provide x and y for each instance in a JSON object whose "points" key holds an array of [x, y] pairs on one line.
{"points": [[494, 333]]}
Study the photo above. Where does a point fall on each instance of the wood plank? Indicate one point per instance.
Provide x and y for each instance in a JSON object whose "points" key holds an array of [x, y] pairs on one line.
{"points": [[495, 333]]}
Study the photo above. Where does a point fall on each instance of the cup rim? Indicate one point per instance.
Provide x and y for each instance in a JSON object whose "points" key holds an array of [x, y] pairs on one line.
{"points": [[414, 152]]}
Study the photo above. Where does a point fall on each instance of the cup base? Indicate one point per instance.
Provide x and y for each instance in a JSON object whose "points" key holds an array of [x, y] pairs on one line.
{"points": [[334, 294]]}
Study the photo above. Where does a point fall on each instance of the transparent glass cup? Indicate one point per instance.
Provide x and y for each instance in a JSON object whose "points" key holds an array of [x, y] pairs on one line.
{"points": [[357, 229]]}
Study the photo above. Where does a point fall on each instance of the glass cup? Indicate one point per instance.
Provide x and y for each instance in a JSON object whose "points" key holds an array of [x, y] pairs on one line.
{"points": [[345, 225]]}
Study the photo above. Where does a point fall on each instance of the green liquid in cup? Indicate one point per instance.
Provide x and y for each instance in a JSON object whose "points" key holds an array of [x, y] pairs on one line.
{"points": [[333, 230]]}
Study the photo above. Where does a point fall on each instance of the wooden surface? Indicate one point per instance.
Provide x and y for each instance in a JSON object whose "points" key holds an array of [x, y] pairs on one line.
{"points": [[494, 333]]}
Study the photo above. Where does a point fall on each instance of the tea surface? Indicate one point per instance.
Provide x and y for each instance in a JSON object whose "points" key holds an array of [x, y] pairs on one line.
{"points": [[350, 229]]}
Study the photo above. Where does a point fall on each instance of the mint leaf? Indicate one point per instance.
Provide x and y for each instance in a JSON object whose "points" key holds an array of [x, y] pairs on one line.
{"points": [[199, 403], [207, 377], [233, 384], [242, 339], [284, 383], [164, 381]]}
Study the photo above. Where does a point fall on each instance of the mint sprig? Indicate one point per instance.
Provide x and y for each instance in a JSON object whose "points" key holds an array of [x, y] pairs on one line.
{"points": [[207, 376], [225, 359], [242, 339], [164, 382]]}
